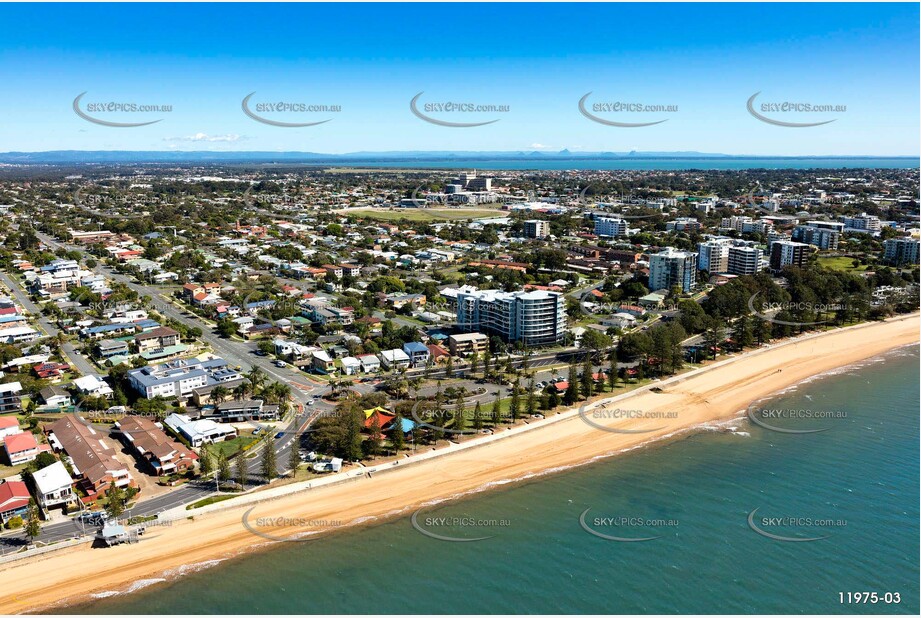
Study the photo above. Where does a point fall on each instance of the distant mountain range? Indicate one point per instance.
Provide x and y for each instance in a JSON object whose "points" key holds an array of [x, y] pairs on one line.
{"points": [[198, 156]]}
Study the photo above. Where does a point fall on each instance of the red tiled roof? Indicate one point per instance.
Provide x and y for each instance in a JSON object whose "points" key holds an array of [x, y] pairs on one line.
{"points": [[20, 442], [13, 495]]}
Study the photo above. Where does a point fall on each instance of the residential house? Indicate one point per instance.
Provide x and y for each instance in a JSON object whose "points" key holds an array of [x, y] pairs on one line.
{"points": [[417, 352], [14, 500], [53, 486], [203, 431], [20, 448], [370, 363], [395, 359], [322, 362], [112, 347], [157, 338], [55, 396], [10, 397], [152, 446], [438, 354], [93, 385], [350, 365], [9, 425], [91, 458]]}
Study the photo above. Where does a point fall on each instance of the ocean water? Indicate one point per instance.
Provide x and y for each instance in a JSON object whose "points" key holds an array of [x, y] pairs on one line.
{"points": [[638, 163], [856, 484]]}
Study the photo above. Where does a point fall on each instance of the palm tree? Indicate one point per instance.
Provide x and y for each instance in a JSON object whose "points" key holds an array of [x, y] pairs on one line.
{"points": [[256, 378], [283, 396], [241, 391], [219, 394]]}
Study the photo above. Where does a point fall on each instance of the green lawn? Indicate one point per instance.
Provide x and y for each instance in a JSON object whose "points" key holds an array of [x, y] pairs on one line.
{"points": [[425, 214], [207, 501], [840, 263], [230, 447]]}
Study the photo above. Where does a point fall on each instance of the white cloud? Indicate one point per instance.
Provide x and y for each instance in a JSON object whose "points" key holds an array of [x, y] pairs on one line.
{"points": [[536, 145], [204, 137]]}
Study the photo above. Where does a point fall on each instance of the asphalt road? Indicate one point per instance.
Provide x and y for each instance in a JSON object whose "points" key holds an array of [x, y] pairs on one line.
{"points": [[244, 354]]}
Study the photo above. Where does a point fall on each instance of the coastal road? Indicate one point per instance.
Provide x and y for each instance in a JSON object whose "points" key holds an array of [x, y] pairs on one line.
{"points": [[177, 497]]}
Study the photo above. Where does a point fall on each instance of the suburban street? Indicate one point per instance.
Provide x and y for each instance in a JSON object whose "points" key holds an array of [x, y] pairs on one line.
{"points": [[307, 392]]}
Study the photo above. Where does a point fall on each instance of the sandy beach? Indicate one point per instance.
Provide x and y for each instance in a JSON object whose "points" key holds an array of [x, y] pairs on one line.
{"points": [[715, 393]]}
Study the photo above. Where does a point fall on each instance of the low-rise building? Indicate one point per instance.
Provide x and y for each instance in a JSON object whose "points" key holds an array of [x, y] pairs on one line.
{"points": [[466, 344], [20, 448], [417, 352], [10, 397], [112, 347], [93, 385], [90, 457], [53, 486], [395, 359], [246, 410], [350, 365], [9, 425], [322, 362], [180, 378], [157, 338], [199, 432], [370, 363], [14, 500], [55, 396], [153, 447]]}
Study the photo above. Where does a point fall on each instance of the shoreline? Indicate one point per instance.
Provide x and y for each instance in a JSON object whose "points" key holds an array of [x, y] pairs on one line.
{"points": [[713, 394]]}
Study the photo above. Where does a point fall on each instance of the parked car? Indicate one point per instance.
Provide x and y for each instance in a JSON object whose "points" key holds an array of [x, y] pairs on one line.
{"points": [[280, 434]]}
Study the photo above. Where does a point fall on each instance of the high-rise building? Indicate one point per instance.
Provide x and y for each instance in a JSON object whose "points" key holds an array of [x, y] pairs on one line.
{"points": [[821, 237], [744, 260], [862, 223], [713, 256], [898, 251], [471, 182], [789, 253], [535, 228], [671, 268], [534, 318], [608, 226]]}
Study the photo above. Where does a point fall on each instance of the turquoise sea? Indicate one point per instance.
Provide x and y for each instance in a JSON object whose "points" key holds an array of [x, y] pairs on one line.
{"points": [[856, 484]]}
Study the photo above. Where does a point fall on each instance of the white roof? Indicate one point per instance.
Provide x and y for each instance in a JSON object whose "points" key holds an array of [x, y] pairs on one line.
{"points": [[52, 478], [350, 361], [10, 387], [17, 330], [91, 383], [394, 355]]}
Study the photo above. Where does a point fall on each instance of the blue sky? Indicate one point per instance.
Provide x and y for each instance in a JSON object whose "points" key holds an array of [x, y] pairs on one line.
{"points": [[537, 59]]}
